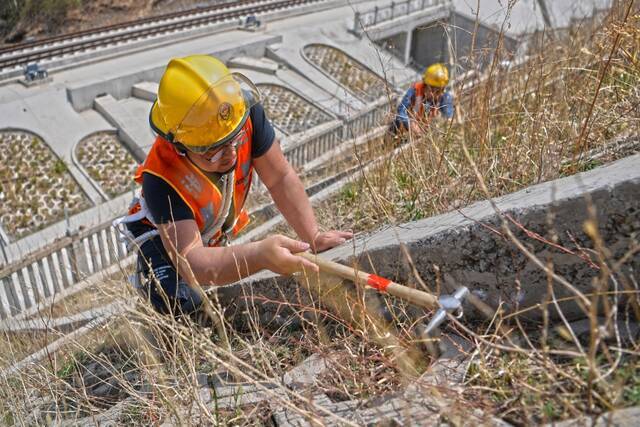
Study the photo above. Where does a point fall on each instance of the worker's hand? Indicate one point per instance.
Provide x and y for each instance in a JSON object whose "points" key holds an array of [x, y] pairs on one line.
{"points": [[328, 239], [415, 127], [276, 254]]}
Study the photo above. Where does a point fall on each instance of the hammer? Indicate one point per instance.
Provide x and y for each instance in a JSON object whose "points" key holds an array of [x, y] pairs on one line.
{"points": [[445, 304]]}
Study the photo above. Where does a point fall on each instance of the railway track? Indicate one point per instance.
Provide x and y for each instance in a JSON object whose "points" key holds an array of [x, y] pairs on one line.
{"points": [[35, 51]]}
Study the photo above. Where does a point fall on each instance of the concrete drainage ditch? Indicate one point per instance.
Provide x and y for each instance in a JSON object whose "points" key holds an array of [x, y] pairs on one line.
{"points": [[468, 247]]}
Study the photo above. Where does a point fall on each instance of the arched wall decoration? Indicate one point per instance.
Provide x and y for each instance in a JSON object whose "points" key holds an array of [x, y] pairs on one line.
{"points": [[357, 78], [289, 111], [107, 162]]}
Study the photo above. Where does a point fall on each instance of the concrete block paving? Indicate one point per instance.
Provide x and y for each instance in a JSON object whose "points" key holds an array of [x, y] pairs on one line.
{"points": [[35, 185], [358, 79], [289, 111], [108, 162]]}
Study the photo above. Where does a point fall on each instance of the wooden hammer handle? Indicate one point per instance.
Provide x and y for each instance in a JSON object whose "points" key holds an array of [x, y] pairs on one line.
{"points": [[415, 296]]}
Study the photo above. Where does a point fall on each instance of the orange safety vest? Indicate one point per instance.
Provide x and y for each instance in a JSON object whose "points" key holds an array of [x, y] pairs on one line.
{"points": [[202, 196], [418, 104]]}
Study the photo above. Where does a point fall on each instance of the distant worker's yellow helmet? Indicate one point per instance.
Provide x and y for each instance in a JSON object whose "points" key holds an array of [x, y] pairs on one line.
{"points": [[200, 103], [436, 75]]}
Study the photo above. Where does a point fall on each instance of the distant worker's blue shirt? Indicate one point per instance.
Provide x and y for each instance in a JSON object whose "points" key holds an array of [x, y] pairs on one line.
{"points": [[444, 106]]}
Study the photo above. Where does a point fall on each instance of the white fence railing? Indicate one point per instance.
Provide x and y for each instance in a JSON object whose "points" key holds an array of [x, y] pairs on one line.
{"points": [[314, 145], [48, 272], [374, 115], [41, 276], [377, 15]]}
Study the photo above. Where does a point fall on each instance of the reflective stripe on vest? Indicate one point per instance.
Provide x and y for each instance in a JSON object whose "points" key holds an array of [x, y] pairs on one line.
{"points": [[202, 196]]}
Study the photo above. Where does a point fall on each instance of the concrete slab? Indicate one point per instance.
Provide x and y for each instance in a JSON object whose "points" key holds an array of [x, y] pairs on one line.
{"points": [[468, 253], [262, 65], [131, 117], [116, 77], [627, 417], [305, 374], [145, 90]]}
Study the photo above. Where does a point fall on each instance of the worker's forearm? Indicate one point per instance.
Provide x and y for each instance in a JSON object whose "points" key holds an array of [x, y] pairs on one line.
{"points": [[292, 201], [221, 265], [402, 114]]}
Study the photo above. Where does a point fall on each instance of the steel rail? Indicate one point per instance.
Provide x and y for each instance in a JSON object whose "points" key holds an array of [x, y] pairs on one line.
{"points": [[122, 25], [110, 39]]}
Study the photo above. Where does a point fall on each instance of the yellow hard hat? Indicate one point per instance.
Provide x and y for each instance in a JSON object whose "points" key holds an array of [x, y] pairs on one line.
{"points": [[201, 104], [436, 75]]}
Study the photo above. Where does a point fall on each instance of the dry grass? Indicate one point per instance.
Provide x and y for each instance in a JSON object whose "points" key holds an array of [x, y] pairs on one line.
{"points": [[93, 296], [14, 346], [531, 123], [520, 127], [153, 361]]}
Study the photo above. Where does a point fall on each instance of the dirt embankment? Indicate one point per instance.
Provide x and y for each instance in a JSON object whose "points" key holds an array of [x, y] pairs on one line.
{"points": [[41, 19]]}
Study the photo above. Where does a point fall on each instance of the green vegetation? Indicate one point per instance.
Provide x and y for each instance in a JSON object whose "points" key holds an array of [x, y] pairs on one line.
{"points": [[59, 167]]}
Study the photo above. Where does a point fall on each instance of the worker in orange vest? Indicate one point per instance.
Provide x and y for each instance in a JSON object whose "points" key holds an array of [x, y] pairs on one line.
{"points": [[212, 133], [424, 100]]}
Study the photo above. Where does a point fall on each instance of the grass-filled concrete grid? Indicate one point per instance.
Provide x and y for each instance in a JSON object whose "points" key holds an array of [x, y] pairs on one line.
{"points": [[289, 111], [107, 162], [35, 185]]}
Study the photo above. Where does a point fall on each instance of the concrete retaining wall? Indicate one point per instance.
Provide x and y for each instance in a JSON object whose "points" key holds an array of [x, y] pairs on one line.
{"points": [[464, 249], [81, 96], [429, 44], [463, 29], [381, 22]]}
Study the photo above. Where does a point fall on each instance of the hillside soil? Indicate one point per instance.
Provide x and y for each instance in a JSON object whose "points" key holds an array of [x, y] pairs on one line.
{"points": [[95, 14]]}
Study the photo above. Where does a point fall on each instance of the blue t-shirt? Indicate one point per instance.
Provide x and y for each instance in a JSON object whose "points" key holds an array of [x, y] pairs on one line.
{"points": [[444, 106]]}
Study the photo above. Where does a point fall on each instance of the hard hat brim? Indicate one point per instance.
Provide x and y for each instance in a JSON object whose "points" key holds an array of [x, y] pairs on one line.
{"points": [[215, 118]]}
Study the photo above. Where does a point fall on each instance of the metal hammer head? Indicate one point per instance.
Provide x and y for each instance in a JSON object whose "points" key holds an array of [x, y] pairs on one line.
{"points": [[448, 304]]}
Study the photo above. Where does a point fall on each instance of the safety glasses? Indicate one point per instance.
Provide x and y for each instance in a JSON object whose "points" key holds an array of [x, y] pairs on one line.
{"points": [[215, 154]]}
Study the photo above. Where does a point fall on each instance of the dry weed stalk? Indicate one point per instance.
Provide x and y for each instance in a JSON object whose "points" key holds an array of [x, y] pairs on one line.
{"points": [[522, 125]]}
